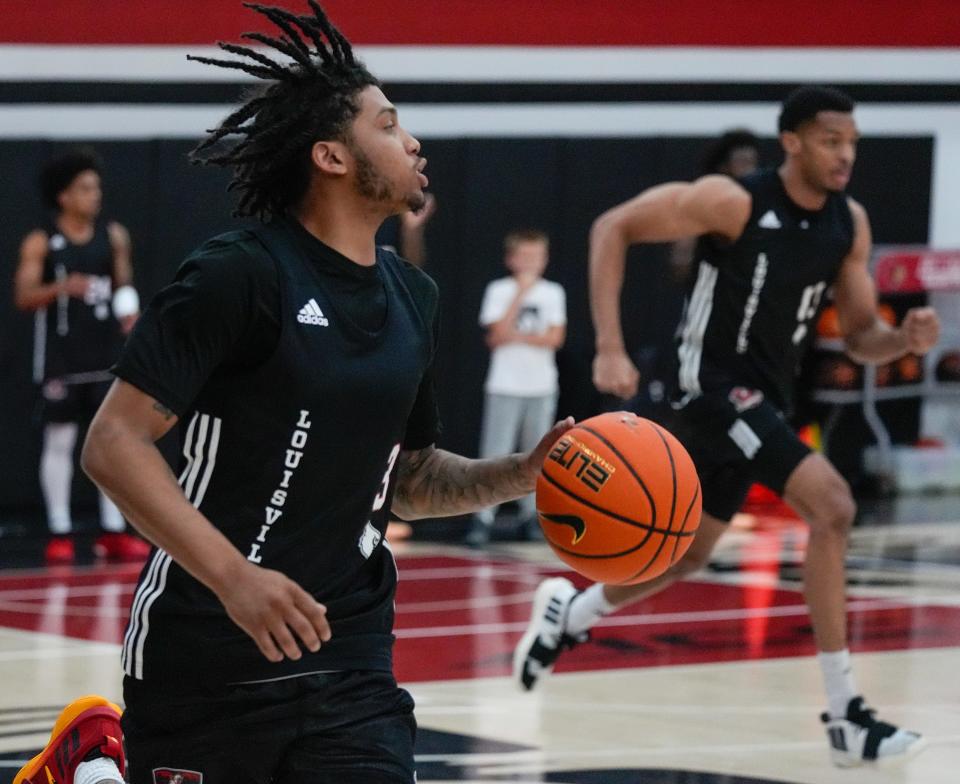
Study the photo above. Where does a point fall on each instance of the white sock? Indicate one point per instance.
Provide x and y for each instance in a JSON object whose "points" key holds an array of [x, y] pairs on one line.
{"points": [[110, 518], [587, 608], [102, 770], [56, 474], [838, 680]]}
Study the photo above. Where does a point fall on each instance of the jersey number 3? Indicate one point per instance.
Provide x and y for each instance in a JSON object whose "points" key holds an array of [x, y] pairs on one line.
{"points": [[381, 498]]}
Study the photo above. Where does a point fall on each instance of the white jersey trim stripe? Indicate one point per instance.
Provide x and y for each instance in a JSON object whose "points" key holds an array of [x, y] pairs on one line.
{"points": [[698, 314], [211, 461], [133, 627], [165, 561], [39, 345], [198, 453], [200, 463], [187, 448]]}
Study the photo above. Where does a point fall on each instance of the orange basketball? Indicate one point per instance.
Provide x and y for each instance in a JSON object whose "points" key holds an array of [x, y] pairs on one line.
{"points": [[618, 499]]}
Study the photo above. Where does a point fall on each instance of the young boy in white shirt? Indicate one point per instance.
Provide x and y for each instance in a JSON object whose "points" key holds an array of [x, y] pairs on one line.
{"points": [[525, 321]]}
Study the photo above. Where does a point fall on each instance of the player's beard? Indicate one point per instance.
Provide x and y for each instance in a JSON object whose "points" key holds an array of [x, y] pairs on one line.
{"points": [[372, 185]]}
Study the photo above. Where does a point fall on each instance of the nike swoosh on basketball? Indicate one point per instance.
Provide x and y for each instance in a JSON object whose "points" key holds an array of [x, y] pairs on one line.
{"points": [[576, 523]]}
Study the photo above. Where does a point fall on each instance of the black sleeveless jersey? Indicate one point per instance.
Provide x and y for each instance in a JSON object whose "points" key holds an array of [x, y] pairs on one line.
{"points": [[78, 338], [753, 303], [294, 461]]}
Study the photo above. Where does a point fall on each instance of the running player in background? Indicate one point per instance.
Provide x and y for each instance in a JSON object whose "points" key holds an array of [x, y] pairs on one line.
{"points": [[735, 153], [771, 247], [299, 356], [76, 275]]}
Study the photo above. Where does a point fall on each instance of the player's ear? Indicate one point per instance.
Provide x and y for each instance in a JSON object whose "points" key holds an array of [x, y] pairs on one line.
{"points": [[330, 157], [790, 141]]}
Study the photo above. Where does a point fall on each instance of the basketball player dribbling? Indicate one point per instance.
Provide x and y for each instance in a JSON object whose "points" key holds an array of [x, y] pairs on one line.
{"points": [[298, 356], [76, 275], [771, 246]]}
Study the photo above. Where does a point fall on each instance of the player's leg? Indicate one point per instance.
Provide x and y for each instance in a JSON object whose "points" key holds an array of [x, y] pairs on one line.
{"points": [[357, 728], [562, 616], [537, 418], [85, 747], [498, 436], [823, 498], [56, 467]]}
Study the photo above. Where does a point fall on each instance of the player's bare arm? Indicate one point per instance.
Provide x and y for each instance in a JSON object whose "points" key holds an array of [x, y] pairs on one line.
{"points": [[122, 266], [711, 205], [432, 482], [869, 338], [126, 302], [29, 290], [120, 455]]}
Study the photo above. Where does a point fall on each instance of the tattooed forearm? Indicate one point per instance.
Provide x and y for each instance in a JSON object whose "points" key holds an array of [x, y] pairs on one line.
{"points": [[166, 412], [435, 483]]}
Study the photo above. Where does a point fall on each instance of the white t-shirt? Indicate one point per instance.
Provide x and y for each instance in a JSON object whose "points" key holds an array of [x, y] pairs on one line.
{"points": [[517, 368]]}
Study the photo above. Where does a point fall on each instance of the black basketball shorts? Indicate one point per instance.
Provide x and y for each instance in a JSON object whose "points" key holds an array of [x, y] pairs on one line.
{"points": [[63, 402], [736, 437], [325, 728]]}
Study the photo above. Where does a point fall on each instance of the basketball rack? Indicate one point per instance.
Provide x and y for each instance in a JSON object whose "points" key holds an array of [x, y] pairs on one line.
{"points": [[897, 271]]}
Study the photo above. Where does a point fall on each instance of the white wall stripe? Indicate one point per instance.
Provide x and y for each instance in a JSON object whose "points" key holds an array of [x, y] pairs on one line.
{"points": [[586, 120], [512, 63]]}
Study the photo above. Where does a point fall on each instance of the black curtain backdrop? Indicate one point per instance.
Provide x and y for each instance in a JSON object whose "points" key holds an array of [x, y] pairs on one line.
{"points": [[484, 188]]}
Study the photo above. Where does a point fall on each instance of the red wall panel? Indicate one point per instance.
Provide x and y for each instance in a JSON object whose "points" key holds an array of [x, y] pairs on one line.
{"points": [[522, 22]]}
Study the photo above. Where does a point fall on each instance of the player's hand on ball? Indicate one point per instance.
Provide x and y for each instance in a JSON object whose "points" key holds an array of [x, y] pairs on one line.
{"points": [[921, 329], [613, 372], [534, 458], [275, 612]]}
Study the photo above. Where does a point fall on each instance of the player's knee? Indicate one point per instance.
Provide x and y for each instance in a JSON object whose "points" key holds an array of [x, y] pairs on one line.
{"points": [[837, 511]]}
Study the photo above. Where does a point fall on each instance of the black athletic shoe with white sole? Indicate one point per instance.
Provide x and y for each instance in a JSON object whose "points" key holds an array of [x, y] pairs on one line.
{"points": [[860, 738], [546, 636]]}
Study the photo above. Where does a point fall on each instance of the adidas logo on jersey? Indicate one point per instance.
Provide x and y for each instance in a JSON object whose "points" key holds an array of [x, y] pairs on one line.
{"points": [[769, 221], [311, 314]]}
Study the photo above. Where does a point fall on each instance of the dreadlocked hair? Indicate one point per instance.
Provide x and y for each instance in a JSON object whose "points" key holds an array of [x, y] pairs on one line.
{"points": [[310, 97]]}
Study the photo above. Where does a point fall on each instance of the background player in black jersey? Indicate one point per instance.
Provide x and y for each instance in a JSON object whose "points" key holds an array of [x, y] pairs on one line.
{"points": [[771, 247], [76, 274], [298, 356]]}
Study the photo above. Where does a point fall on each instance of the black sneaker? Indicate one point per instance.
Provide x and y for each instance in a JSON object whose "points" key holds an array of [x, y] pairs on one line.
{"points": [[860, 738], [546, 636]]}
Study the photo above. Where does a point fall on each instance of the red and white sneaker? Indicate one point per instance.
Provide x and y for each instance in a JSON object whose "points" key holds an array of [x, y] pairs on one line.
{"points": [[60, 550], [121, 547], [87, 727]]}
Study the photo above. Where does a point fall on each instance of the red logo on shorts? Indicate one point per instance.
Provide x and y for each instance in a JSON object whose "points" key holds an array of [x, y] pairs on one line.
{"points": [[176, 776], [744, 399]]}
